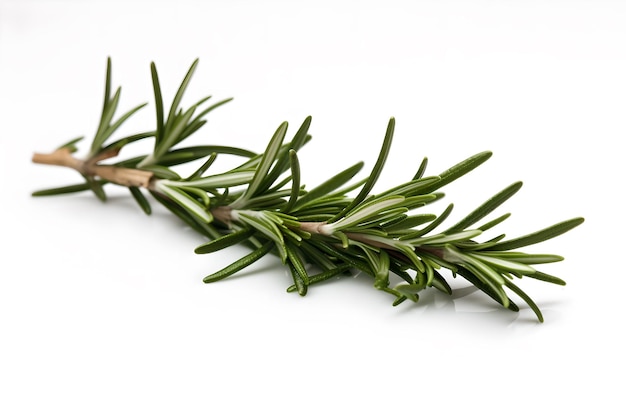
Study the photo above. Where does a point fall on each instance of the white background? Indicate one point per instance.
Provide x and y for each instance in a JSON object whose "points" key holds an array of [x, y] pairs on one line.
{"points": [[103, 311]]}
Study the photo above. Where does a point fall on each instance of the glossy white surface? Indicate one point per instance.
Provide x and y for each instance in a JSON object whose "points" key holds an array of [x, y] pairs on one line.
{"points": [[103, 311]]}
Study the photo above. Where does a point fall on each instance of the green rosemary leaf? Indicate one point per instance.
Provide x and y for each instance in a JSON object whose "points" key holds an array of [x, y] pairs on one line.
{"points": [[266, 162], [475, 246], [120, 143], [172, 135], [196, 224], [486, 208], [140, 199], [366, 210], [71, 145], [399, 300], [188, 154], [539, 236], [162, 172], [412, 188], [421, 170], [443, 238], [295, 182], [460, 169], [373, 177], [381, 277], [158, 101], [96, 187], [433, 225], [409, 291], [327, 186], [485, 288], [378, 221], [352, 261], [503, 264], [316, 257], [282, 162], [229, 179], [525, 258], [107, 86], [298, 281], [323, 276], [409, 222], [105, 121], [541, 276], [297, 261], [526, 299], [204, 112], [202, 169], [184, 200], [259, 221], [441, 284], [65, 190], [240, 264], [225, 241], [200, 195], [494, 222], [112, 128], [179, 96]]}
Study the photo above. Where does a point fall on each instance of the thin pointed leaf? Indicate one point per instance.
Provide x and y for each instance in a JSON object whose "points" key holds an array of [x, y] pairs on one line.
{"points": [[84, 186], [141, 199], [295, 182], [373, 177], [487, 289], [433, 225], [172, 134], [225, 241], [459, 170], [267, 160], [179, 95], [332, 184], [366, 210], [539, 236], [196, 224], [200, 171], [296, 260], [105, 121], [112, 128], [298, 281], [120, 143], [323, 276], [158, 102], [185, 201], [421, 170], [283, 160], [541, 276], [504, 264], [107, 86], [96, 187], [71, 145], [486, 208], [526, 299], [240, 264], [267, 228], [184, 155], [441, 284], [494, 222]]}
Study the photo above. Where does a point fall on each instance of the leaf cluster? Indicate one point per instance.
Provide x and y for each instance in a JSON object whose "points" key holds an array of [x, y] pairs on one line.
{"points": [[341, 225]]}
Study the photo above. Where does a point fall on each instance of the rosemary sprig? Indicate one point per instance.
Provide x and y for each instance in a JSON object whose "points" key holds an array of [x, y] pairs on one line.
{"points": [[319, 233]]}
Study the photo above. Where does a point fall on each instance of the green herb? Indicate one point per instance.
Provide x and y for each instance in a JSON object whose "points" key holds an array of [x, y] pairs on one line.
{"points": [[320, 233]]}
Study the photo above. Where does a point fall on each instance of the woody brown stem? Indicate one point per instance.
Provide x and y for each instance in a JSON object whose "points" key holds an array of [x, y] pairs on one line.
{"points": [[128, 177]]}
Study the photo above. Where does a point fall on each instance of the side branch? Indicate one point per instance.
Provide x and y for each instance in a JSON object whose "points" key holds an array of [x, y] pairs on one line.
{"points": [[127, 177]]}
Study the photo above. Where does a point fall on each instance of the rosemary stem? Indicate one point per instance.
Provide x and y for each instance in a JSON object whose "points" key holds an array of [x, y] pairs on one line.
{"points": [[128, 177]]}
